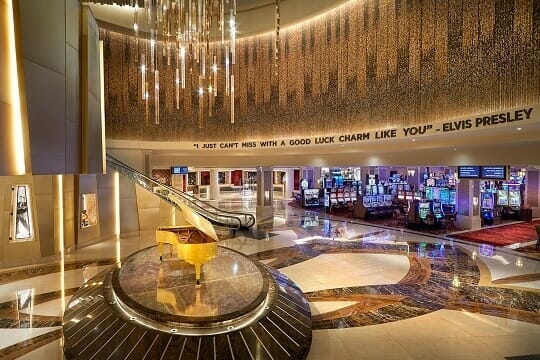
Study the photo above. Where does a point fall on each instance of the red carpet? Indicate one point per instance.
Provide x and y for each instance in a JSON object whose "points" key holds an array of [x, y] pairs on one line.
{"points": [[502, 235]]}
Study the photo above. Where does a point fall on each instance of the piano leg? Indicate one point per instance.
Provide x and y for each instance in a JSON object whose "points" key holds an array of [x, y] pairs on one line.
{"points": [[160, 250], [198, 274]]}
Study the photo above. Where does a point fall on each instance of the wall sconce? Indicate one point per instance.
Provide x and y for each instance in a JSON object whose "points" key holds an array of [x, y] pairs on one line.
{"points": [[475, 200], [411, 172]]}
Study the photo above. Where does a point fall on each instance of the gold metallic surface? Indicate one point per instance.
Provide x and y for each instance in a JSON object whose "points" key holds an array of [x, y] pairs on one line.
{"points": [[362, 66]]}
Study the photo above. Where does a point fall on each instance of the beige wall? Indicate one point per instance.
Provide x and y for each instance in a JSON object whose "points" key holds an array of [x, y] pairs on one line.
{"points": [[154, 212], [51, 68]]}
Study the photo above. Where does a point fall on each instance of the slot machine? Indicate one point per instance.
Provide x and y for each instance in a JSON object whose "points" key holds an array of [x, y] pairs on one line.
{"points": [[437, 210], [487, 206]]}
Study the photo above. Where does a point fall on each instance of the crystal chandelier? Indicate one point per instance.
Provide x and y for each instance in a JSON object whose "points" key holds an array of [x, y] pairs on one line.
{"points": [[194, 36]]}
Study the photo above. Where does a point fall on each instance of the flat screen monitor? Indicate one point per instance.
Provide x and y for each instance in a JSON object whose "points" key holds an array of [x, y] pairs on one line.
{"points": [[468, 172], [179, 170], [493, 172]]}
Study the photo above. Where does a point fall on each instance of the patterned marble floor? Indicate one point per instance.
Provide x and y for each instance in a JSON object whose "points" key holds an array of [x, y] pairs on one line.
{"points": [[375, 292]]}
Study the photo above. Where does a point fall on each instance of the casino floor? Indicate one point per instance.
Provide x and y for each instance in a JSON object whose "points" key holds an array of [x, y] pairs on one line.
{"points": [[374, 292]]}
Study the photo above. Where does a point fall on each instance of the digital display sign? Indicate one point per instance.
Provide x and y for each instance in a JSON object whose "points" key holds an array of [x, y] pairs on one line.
{"points": [[179, 170], [493, 172], [469, 172]]}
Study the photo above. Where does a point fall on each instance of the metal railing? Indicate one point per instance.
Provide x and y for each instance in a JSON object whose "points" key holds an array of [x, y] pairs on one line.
{"points": [[219, 217]]}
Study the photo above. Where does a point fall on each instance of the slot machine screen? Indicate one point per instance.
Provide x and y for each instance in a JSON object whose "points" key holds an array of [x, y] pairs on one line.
{"points": [[502, 197], [380, 200], [381, 189], [366, 200], [423, 209], [429, 193], [445, 196], [437, 209], [387, 200], [487, 200], [514, 198], [436, 193], [374, 190], [430, 182], [452, 197]]}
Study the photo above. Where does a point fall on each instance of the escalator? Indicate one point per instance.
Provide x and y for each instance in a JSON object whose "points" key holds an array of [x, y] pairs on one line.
{"points": [[230, 219]]}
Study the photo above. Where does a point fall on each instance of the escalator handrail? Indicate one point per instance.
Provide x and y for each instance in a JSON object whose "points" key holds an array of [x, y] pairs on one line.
{"points": [[199, 209], [205, 207]]}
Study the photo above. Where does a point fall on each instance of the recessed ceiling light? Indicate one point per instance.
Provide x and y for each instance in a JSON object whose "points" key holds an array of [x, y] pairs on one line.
{"points": [[413, 139], [455, 149], [518, 129]]}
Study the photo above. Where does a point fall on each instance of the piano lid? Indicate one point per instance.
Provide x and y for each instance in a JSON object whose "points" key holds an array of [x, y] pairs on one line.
{"points": [[198, 221]]}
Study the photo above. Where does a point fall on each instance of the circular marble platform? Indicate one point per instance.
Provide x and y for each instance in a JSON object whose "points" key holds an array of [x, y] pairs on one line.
{"points": [[231, 286], [242, 309]]}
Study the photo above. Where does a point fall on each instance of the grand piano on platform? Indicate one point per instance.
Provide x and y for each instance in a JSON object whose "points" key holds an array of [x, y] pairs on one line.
{"points": [[195, 243]]}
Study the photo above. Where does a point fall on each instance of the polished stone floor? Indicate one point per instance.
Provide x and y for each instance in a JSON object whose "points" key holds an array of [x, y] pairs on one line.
{"points": [[374, 292]]}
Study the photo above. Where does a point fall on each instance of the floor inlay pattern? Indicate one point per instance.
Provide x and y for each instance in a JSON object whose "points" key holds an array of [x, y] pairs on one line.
{"points": [[440, 276]]}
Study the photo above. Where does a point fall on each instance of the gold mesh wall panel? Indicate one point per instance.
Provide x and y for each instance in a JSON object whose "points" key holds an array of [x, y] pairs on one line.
{"points": [[363, 66]]}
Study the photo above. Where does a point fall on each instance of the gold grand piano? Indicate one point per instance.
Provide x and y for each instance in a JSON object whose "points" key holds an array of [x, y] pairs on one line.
{"points": [[195, 243]]}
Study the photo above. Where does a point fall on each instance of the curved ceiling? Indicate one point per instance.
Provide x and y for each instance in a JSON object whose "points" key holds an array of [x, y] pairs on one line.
{"points": [[253, 16]]}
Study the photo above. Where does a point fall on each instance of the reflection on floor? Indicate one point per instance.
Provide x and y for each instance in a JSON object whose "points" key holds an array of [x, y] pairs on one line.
{"points": [[375, 292]]}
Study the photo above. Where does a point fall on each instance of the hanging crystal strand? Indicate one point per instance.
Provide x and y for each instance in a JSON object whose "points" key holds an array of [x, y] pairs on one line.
{"points": [[276, 44], [203, 62], [183, 66], [177, 82], [156, 95], [232, 99], [215, 69], [143, 76], [146, 104], [222, 21], [136, 29], [227, 72], [232, 34], [201, 102]]}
